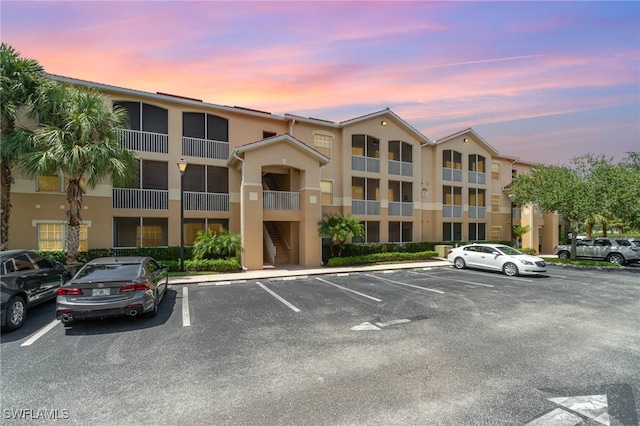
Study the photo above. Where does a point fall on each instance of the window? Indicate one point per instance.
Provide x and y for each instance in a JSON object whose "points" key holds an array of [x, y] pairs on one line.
{"points": [[495, 171], [205, 126], [451, 231], [452, 195], [495, 203], [371, 231], [140, 232], [400, 151], [323, 144], [451, 159], [400, 191], [266, 134], [54, 183], [152, 175], [211, 179], [476, 163], [326, 188], [147, 118], [53, 236], [495, 233], [477, 232], [400, 232], [193, 226], [476, 197]]}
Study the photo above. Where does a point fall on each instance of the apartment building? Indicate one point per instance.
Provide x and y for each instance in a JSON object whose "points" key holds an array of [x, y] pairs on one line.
{"points": [[271, 178]]}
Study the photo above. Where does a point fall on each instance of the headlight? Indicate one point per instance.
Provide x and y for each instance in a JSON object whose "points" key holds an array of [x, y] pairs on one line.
{"points": [[526, 262]]}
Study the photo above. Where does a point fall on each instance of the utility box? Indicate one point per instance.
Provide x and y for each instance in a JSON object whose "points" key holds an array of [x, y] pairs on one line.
{"points": [[443, 250]]}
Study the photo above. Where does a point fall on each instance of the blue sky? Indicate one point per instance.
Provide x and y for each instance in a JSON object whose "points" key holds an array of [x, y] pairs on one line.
{"points": [[543, 81]]}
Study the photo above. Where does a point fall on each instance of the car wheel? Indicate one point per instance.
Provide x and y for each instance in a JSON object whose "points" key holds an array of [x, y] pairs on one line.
{"points": [[616, 258], [16, 313], [563, 255], [154, 311], [510, 269], [459, 263]]}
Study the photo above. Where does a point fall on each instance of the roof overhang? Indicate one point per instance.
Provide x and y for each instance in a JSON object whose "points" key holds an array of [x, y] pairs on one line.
{"points": [[238, 152]]}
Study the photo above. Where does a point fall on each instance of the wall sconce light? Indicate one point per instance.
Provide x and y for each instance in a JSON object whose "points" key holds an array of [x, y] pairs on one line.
{"points": [[465, 140], [383, 123]]}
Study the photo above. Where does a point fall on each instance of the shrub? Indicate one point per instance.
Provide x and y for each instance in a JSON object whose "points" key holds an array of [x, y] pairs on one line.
{"points": [[529, 251], [381, 257]]}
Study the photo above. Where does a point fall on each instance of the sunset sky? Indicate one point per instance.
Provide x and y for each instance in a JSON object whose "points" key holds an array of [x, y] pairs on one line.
{"points": [[543, 81]]}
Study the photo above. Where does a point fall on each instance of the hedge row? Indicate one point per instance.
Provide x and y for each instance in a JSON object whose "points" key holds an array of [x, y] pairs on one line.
{"points": [[205, 265], [381, 257]]}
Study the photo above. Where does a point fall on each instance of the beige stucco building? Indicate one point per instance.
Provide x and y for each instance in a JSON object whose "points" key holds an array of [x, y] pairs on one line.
{"points": [[271, 179]]}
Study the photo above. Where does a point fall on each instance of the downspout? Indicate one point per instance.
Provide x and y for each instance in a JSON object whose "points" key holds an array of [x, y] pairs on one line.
{"points": [[293, 122], [244, 268]]}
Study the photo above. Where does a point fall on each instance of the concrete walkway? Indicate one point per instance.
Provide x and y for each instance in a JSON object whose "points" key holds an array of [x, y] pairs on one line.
{"points": [[284, 271]]}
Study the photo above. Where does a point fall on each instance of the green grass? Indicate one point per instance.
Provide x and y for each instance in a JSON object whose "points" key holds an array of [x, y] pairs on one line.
{"points": [[581, 262]]}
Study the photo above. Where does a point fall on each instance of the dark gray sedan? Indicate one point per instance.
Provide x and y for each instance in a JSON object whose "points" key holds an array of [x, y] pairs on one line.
{"points": [[113, 286], [26, 279]]}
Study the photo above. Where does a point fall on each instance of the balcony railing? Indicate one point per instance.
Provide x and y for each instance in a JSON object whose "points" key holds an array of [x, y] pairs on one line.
{"points": [[280, 200], [365, 207], [139, 140], [206, 201], [400, 208], [451, 211], [140, 199], [477, 212], [365, 164], [454, 175], [478, 178], [204, 148], [400, 168]]}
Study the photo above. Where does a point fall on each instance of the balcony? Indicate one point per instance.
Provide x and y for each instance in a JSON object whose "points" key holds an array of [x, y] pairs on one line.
{"points": [[204, 148], [365, 207], [454, 175], [478, 178], [477, 212], [400, 208], [365, 164], [140, 199], [138, 140], [206, 201], [451, 211], [400, 168], [280, 200]]}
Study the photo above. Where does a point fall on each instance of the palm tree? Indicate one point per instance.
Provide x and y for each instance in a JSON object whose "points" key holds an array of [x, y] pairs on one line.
{"points": [[209, 245], [19, 81], [78, 137], [339, 229], [518, 231]]}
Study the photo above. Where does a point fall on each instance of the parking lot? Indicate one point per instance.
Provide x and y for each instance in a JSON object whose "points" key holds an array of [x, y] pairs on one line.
{"points": [[427, 346]]}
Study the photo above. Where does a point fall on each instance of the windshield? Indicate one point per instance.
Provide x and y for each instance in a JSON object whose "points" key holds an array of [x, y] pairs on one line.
{"points": [[509, 250], [109, 271]]}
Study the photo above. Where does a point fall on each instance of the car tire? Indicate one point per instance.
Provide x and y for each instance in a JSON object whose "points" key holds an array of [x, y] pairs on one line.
{"points": [[563, 255], [615, 258], [510, 269], [16, 313], [154, 311], [459, 263]]}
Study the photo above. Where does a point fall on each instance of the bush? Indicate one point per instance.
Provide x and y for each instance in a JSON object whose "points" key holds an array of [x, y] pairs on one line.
{"points": [[529, 251], [381, 257], [205, 265]]}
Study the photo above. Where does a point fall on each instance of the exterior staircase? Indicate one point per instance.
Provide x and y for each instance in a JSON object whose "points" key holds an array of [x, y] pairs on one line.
{"points": [[282, 252]]}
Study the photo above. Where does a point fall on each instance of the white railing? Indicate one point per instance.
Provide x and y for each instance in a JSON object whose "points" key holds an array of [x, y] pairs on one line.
{"points": [[204, 148], [451, 211], [206, 201], [400, 208], [365, 207], [280, 200], [478, 178], [401, 168], [477, 212], [365, 164], [139, 140], [271, 248], [140, 199], [454, 175]]}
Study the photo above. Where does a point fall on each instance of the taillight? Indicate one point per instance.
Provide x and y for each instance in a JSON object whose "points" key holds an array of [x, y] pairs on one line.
{"points": [[134, 287], [66, 291]]}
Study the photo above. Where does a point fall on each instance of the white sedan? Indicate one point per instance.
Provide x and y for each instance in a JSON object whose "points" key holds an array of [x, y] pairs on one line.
{"points": [[496, 257]]}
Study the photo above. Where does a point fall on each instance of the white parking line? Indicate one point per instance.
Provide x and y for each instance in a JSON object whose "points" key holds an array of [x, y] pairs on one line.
{"points": [[348, 289], [450, 279], [289, 305], [44, 330], [186, 319], [406, 285]]}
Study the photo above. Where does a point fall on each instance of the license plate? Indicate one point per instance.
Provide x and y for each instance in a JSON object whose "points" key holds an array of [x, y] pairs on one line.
{"points": [[100, 292]]}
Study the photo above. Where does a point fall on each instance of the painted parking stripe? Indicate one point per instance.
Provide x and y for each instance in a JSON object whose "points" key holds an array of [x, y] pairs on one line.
{"points": [[451, 279], [349, 290], [44, 330], [405, 284], [495, 275], [186, 319], [289, 305]]}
